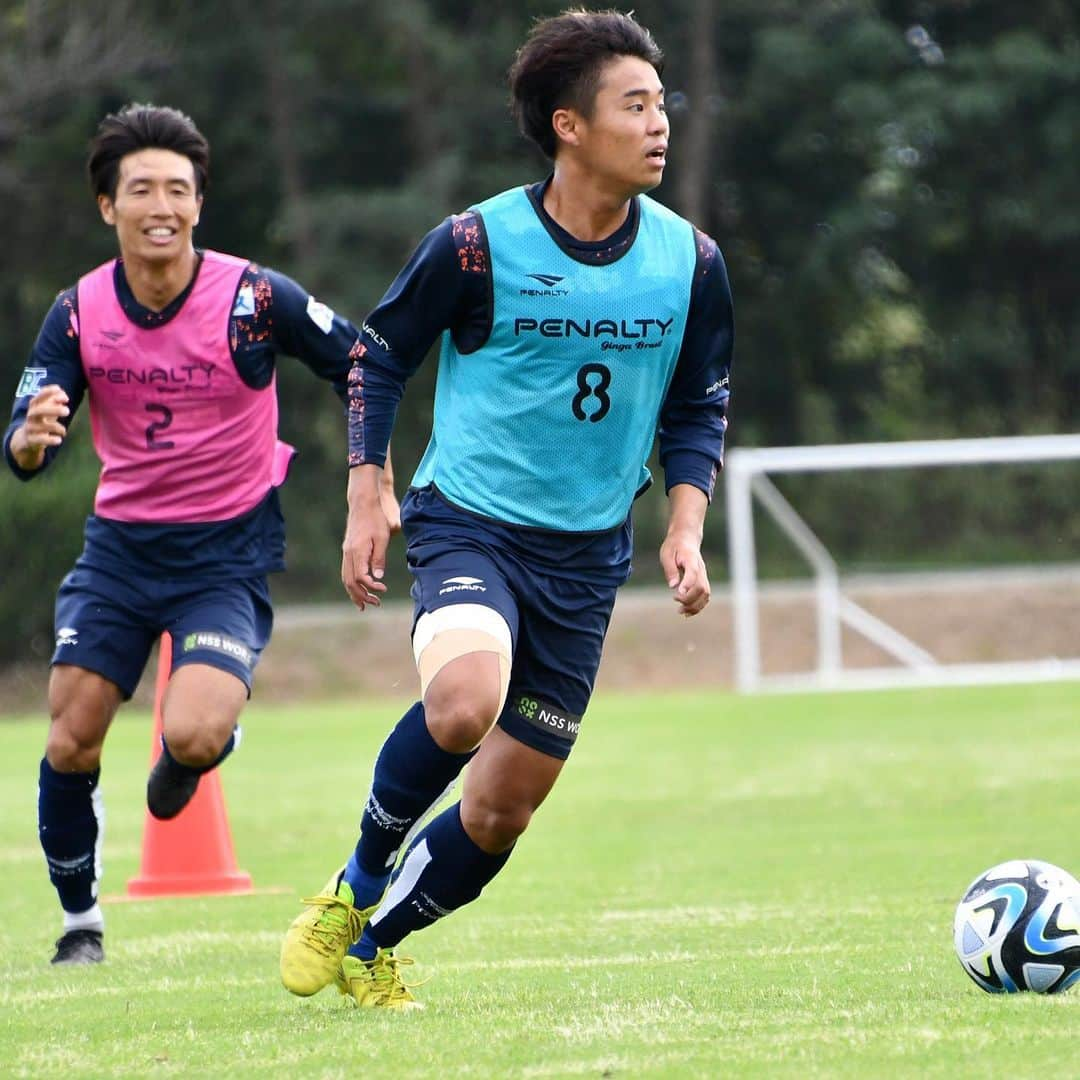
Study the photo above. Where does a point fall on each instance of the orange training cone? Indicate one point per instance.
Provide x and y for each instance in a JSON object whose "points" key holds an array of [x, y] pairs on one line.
{"points": [[193, 853]]}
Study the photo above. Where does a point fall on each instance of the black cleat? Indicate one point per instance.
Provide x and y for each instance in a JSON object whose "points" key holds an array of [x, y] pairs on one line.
{"points": [[80, 947], [169, 788]]}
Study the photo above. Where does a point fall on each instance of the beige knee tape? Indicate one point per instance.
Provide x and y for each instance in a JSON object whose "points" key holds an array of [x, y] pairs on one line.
{"points": [[450, 632]]}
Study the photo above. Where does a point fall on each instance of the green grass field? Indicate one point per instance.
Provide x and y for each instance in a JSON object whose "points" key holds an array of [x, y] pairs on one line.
{"points": [[717, 887]]}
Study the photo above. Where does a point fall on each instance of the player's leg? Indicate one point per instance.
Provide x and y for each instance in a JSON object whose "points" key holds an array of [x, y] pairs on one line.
{"points": [[461, 850], [101, 650], [463, 652], [455, 856], [412, 774], [71, 813], [199, 730], [218, 633], [463, 642], [451, 861]]}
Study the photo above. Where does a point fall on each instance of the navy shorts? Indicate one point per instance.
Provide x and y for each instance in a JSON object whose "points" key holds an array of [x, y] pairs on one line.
{"points": [[109, 624], [557, 622]]}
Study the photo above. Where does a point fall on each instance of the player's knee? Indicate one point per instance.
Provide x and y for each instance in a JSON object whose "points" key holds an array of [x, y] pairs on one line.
{"points": [[196, 746], [81, 707], [463, 654], [494, 826], [72, 746], [458, 721]]}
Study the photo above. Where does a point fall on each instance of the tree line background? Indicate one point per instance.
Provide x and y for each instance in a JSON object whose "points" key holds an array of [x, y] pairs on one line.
{"points": [[894, 184]]}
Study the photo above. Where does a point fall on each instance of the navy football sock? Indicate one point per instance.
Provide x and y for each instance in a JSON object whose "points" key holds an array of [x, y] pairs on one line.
{"points": [[442, 871], [70, 822], [412, 774]]}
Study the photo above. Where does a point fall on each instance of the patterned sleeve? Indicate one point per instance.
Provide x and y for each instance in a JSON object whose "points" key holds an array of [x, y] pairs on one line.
{"points": [[443, 287], [272, 314]]}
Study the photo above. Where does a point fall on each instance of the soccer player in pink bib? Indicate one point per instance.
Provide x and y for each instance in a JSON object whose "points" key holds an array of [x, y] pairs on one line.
{"points": [[174, 348]]}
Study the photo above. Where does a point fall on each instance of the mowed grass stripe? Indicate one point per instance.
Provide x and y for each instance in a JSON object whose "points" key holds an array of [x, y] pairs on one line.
{"points": [[717, 887]]}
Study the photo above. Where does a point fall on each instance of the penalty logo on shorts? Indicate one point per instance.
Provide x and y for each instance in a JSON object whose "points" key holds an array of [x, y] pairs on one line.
{"points": [[462, 584]]}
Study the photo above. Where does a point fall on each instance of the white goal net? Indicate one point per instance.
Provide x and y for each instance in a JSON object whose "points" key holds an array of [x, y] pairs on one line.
{"points": [[747, 482]]}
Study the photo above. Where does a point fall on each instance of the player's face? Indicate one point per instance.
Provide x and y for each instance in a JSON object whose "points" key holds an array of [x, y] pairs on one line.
{"points": [[156, 207], [625, 139]]}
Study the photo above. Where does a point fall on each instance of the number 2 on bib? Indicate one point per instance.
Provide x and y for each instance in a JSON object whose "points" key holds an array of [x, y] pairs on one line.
{"points": [[157, 426]]}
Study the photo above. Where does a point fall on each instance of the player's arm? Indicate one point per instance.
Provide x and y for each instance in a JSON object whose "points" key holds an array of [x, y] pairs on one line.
{"points": [[692, 425], [273, 314], [50, 390], [680, 553], [432, 293]]}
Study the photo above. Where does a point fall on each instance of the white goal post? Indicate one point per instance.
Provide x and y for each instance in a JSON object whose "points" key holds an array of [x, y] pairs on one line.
{"points": [[747, 478]]}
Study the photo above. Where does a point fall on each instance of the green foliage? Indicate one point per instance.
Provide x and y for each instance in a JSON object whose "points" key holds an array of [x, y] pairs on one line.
{"points": [[40, 538], [893, 185]]}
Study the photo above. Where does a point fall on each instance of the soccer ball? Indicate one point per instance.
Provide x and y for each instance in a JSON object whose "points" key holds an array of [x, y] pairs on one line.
{"points": [[1018, 928]]}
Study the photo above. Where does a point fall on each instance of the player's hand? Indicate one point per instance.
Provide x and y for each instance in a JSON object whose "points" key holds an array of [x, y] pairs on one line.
{"points": [[684, 571], [363, 551], [42, 427]]}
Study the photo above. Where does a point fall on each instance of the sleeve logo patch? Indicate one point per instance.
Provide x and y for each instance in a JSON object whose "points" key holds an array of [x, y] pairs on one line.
{"points": [[33, 378], [320, 315], [245, 302]]}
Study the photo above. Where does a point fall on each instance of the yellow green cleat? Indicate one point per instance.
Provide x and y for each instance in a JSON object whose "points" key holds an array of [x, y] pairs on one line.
{"points": [[318, 937], [377, 984]]}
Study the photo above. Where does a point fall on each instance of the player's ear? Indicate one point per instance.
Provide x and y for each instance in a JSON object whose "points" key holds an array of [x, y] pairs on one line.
{"points": [[198, 210], [567, 126], [105, 205]]}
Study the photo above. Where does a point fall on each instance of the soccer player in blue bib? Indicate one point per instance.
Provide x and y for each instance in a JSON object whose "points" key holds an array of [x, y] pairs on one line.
{"points": [[579, 319]]}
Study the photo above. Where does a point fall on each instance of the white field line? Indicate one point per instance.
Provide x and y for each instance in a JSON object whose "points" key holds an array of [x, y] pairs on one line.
{"points": [[188, 941], [639, 959], [168, 986], [601, 1066], [161, 985]]}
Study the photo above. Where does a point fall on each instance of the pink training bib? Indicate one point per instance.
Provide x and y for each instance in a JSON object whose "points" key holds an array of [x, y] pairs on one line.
{"points": [[180, 436]]}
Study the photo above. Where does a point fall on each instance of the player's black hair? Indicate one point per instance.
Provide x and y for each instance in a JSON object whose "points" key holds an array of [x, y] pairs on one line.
{"points": [[559, 66], [141, 127]]}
